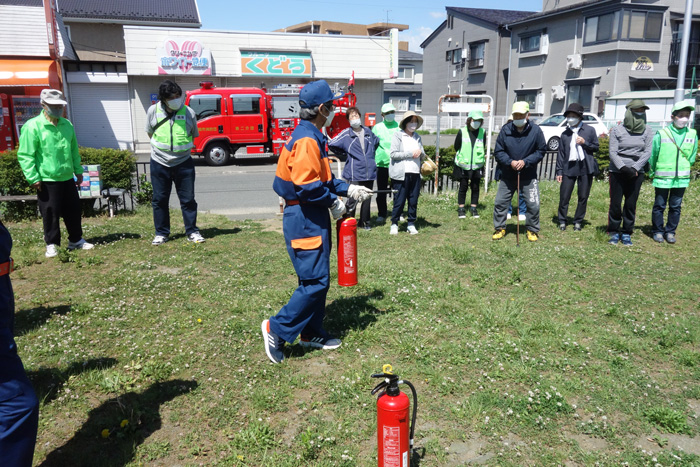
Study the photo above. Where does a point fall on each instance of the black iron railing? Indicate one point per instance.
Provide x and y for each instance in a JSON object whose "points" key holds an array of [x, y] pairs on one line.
{"points": [[693, 53]]}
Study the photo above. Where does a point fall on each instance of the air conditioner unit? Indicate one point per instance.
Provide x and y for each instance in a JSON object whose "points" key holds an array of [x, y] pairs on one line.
{"points": [[558, 93], [465, 54], [574, 62]]}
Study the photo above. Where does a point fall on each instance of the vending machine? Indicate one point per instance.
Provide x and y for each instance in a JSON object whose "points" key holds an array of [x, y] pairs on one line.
{"points": [[6, 141], [23, 109]]}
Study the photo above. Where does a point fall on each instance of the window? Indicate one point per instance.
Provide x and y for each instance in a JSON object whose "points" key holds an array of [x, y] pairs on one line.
{"points": [[400, 104], [589, 118], [476, 55], [405, 73], [635, 26], [554, 120], [419, 105], [456, 56], [245, 104], [448, 56], [581, 95], [450, 21], [206, 105], [337, 33], [527, 96], [530, 43]]}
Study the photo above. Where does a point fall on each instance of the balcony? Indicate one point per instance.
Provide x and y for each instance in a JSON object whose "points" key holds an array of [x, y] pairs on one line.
{"points": [[693, 53], [475, 63]]}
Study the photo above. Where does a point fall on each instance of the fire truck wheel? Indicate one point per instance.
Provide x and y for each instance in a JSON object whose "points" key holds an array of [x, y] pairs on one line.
{"points": [[217, 154]]}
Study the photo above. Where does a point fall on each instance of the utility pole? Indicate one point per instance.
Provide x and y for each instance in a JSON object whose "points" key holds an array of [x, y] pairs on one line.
{"points": [[679, 94]]}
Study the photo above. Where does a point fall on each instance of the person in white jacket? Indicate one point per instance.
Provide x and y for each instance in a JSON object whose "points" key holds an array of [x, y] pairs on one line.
{"points": [[404, 170]]}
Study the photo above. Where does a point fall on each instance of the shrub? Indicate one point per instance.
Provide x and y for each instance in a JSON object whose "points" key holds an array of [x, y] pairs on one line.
{"points": [[603, 155], [447, 158], [117, 165]]}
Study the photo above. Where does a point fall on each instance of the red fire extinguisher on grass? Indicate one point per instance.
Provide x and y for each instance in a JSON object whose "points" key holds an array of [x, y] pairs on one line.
{"points": [[347, 252], [395, 443]]}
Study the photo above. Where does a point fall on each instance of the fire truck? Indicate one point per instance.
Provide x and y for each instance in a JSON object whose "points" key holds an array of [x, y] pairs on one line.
{"points": [[245, 123]]}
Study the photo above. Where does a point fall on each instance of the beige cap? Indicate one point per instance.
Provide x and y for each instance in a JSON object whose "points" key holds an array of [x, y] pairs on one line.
{"points": [[53, 97]]}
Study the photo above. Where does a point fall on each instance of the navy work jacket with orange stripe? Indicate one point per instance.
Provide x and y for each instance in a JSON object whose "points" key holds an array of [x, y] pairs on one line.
{"points": [[304, 175]]}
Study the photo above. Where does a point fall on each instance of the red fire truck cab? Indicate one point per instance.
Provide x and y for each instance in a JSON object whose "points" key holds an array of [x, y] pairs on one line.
{"points": [[244, 123]]}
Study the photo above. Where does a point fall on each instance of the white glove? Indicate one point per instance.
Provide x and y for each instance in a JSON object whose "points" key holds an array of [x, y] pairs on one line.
{"points": [[359, 193], [338, 209]]}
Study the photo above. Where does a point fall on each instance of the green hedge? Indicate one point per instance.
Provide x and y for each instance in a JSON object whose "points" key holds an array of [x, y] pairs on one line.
{"points": [[117, 167]]}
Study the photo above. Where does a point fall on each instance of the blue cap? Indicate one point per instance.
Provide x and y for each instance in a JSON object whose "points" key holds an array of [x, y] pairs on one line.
{"points": [[316, 93]]}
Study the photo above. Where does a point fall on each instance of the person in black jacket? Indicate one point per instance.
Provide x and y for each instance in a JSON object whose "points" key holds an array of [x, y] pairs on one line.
{"points": [[520, 146], [19, 406], [575, 164]]}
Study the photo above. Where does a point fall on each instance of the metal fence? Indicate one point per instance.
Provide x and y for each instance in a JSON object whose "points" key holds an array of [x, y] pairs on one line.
{"points": [[546, 170]]}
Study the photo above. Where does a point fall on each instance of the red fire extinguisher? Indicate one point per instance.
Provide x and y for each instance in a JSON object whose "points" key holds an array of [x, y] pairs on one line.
{"points": [[394, 442], [347, 252]]}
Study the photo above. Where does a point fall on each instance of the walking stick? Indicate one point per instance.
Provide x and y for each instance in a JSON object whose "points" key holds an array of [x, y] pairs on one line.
{"points": [[517, 201]]}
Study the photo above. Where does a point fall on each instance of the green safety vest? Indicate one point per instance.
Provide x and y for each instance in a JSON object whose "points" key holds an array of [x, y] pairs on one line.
{"points": [[469, 158], [172, 137], [674, 162]]}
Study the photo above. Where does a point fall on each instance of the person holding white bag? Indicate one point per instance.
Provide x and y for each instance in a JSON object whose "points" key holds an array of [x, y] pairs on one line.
{"points": [[405, 170]]}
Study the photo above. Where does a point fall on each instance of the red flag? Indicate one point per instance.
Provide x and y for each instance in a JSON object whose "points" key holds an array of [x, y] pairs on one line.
{"points": [[352, 79]]}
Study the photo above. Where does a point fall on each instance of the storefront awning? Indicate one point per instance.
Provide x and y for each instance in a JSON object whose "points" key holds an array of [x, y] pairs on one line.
{"points": [[27, 72]]}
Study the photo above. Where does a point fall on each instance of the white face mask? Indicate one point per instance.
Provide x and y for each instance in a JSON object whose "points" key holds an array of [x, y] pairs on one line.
{"points": [[475, 124], [175, 104], [681, 123], [355, 123], [329, 118], [520, 122], [389, 117], [411, 127], [573, 121], [639, 114]]}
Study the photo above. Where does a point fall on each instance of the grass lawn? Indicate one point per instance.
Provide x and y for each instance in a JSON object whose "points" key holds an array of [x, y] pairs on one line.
{"points": [[567, 351]]}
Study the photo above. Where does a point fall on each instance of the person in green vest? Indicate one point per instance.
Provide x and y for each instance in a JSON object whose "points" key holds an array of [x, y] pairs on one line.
{"points": [[470, 156], [673, 153], [172, 127], [384, 131]]}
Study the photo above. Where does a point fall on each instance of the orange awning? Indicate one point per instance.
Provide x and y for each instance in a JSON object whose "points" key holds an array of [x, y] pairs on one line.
{"points": [[27, 72]]}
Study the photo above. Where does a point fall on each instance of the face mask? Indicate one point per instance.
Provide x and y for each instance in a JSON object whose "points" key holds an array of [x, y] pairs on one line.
{"points": [[411, 127], [573, 121], [54, 111], [329, 118], [389, 117], [355, 123], [639, 114], [175, 104], [475, 125], [681, 123], [520, 122]]}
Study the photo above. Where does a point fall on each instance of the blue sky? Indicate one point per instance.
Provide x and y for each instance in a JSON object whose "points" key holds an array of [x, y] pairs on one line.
{"points": [[421, 16]]}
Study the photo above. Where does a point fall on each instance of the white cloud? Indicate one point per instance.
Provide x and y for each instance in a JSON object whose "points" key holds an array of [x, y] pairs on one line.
{"points": [[416, 37], [438, 14]]}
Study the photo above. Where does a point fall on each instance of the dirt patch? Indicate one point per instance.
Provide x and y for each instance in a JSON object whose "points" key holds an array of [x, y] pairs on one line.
{"points": [[272, 225], [167, 270], [694, 406], [587, 443], [682, 442], [469, 452]]}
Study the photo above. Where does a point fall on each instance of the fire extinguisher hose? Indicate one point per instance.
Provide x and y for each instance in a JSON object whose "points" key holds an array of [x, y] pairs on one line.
{"points": [[415, 410]]}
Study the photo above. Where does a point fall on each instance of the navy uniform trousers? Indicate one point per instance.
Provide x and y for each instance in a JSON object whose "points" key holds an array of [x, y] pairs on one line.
{"points": [[19, 406]]}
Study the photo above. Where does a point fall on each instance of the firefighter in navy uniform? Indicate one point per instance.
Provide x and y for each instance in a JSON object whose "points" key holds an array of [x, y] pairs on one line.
{"points": [[19, 406], [305, 180]]}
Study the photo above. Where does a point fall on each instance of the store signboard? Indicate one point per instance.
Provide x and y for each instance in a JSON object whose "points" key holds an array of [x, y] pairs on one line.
{"points": [[296, 64], [183, 57], [393, 53], [643, 64]]}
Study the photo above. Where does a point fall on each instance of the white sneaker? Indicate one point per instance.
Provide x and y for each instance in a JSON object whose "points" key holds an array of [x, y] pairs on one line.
{"points": [[394, 229], [80, 245], [51, 251], [521, 217], [412, 230], [159, 240], [195, 237], [509, 216]]}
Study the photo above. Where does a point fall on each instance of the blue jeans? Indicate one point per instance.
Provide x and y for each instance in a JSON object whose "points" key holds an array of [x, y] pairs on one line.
{"points": [[522, 205], [408, 189], [162, 178], [674, 197]]}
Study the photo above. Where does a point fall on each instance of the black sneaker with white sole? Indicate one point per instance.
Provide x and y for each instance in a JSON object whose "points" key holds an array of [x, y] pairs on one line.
{"points": [[318, 342], [274, 345]]}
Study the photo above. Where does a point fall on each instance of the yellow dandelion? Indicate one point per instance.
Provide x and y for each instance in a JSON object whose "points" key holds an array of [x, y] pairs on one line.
{"points": [[199, 320], [240, 458], [124, 423], [105, 433]]}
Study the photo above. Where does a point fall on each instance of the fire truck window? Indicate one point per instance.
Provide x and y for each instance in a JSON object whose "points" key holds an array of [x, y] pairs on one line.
{"points": [[245, 105], [206, 105]]}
